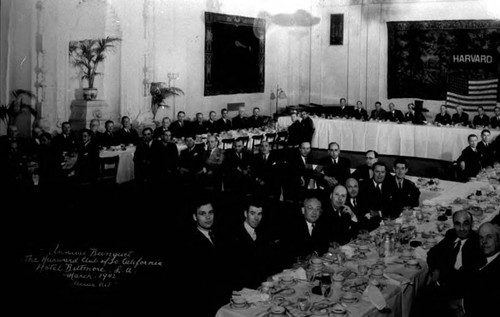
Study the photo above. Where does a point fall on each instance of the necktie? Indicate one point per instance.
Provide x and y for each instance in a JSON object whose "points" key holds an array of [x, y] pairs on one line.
{"points": [[334, 162], [212, 236], [312, 228], [379, 190], [354, 204], [264, 159], [456, 249], [400, 185]]}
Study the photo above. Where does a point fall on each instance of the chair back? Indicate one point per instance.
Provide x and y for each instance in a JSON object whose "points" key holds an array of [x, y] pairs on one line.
{"points": [[108, 169], [227, 143], [244, 139], [256, 141]]}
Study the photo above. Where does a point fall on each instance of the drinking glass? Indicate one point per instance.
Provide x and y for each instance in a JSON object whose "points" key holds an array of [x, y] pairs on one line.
{"points": [[325, 288]]}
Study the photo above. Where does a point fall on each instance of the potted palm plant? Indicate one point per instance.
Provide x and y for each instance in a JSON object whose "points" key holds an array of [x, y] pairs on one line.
{"points": [[160, 92], [87, 55]]}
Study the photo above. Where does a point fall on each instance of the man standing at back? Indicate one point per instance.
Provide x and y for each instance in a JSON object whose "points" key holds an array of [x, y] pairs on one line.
{"points": [[307, 127]]}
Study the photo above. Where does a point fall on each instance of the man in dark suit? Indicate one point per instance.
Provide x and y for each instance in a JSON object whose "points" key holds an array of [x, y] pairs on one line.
{"points": [[414, 116], [87, 163], [394, 114], [307, 127], [191, 162], [485, 148], [443, 118], [358, 206], [450, 261], [213, 159], [365, 172], [481, 297], [267, 171], [211, 123], [143, 157], [299, 174], [481, 120], [255, 121], [239, 122], [460, 118], [252, 249], [377, 193], [495, 121], [203, 251], [179, 127], [378, 113], [65, 141], [307, 232], [294, 131], [165, 126], [342, 221], [469, 162], [406, 192], [359, 113], [335, 169], [223, 124], [94, 127], [127, 135], [237, 162], [165, 160], [199, 126], [108, 138], [344, 110]]}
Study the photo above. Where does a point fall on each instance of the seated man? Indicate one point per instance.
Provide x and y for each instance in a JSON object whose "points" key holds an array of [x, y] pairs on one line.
{"points": [[108, 138], [358, 206], [342, 221], [179, 127], [378, 113], [65, 141], [414, 116], [481, 120], [305, 233], [143, 157], [213, 159], [359, 113], [211, 123], [344, 110], [481, 297], [190, 161], [394, 114], [377, 194], [255, 121], [299, 175], [405, 192], [165, 125], [335, 169], [127, 135], [198, 127], [495, 121], [460, 118], [237, 162], [165, 160], [365, 172], [240, 121], [251, 248], [223, 124], [443, 118], [469, 162], [94, 127], [486, 150], [267, 171], [87, 163], [450, 261]]}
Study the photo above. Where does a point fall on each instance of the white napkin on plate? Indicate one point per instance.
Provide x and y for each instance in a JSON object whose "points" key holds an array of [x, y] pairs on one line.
{"points": [[348, 250], [420, 253], [375, 296]]}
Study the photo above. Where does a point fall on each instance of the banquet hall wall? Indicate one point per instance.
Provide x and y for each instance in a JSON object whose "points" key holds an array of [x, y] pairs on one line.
{"points": [[161, 37]]}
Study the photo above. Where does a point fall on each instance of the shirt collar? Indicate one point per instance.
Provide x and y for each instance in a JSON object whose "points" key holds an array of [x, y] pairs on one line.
{"points": [[249, 229]]}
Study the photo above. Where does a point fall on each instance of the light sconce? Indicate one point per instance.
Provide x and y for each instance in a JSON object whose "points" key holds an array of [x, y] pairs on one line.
{"points": [[280, 94]]}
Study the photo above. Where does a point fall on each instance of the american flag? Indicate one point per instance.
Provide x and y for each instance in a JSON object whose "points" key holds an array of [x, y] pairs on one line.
{"points": [[472, 93]]}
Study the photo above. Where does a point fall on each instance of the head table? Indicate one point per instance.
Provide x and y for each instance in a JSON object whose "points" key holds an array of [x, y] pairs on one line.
{"points": [[363, 260], [405, 139]]}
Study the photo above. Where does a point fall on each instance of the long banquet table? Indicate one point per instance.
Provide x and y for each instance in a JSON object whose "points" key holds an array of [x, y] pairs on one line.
{"points": [[398, 297], [426, 141]]}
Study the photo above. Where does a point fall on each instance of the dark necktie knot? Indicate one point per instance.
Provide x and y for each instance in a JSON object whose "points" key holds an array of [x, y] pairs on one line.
{"points": [[212, 236]]}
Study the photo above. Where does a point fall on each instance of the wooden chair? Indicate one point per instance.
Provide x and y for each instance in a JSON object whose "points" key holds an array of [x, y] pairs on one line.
{"points": [[256, 141], [282, 140], [108, 169], [227, 143], [271, 138]]}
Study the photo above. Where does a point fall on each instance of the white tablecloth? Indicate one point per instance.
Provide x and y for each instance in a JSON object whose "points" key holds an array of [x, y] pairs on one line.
{"points": [[426, 141], [125, 171]]}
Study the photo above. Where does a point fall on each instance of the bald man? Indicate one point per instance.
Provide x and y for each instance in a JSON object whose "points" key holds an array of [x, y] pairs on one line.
{"points": [[450, 262], [482, 296], [342, 220]]}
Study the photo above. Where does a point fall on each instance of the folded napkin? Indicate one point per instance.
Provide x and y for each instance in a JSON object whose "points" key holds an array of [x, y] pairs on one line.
{"points": [[398, 280], [420, 253], [298, 273], [251, 296], [375, 296], [348, 250]]}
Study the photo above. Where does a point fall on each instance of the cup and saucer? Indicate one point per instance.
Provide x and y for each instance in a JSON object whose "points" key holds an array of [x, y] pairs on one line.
{"points": [[413, 265], [338, 311], [238, 303], [288, 280], [406, 255], [277, 311], [377, 274]]}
